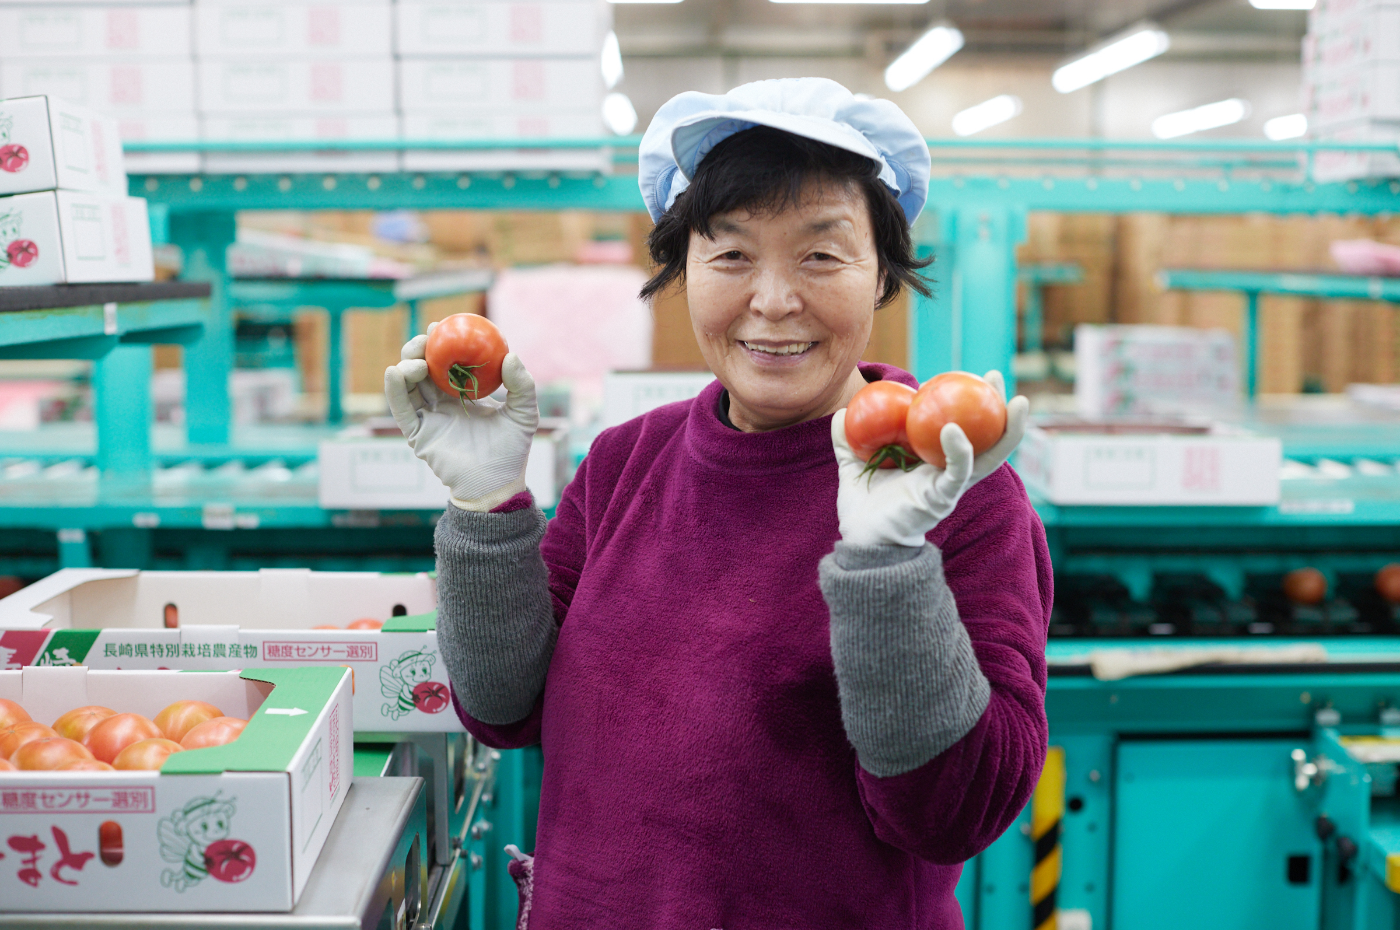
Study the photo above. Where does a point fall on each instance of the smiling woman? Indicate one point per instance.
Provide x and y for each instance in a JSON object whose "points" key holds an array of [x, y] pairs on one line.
{"points": [[774, 691], [787, 246]]}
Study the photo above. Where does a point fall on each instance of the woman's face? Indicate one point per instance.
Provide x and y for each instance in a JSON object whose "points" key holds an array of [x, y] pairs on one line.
{"points": [[783, 303]]}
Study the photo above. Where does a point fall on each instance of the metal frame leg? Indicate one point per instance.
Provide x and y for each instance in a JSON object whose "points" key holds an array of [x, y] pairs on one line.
{"points": [[205, 238]]}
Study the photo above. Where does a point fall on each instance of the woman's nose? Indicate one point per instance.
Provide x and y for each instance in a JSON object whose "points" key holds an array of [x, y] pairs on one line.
{"points": [[775, 294]]}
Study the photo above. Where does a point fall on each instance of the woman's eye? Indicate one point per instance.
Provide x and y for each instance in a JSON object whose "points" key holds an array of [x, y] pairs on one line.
{"points": [[822, 257], [732, 255]]}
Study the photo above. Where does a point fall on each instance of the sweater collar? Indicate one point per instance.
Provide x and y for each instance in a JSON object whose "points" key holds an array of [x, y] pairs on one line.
{"points": [[792, 448]]}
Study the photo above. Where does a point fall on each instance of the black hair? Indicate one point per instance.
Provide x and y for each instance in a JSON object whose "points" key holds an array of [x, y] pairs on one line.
{"points": [[763, 169]]}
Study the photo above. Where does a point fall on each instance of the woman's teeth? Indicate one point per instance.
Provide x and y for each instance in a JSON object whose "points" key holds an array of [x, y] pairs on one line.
{"points": [[792, 348]]}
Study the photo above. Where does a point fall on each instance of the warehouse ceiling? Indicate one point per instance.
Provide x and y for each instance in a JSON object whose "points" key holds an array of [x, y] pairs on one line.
{"points": [[1201, 29]]}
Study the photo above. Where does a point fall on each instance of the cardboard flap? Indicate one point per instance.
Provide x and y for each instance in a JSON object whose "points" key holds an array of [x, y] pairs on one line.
{"points": [[27, 607], [284, 593]]}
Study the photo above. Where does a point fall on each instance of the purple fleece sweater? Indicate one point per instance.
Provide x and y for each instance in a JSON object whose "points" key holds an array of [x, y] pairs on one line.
{"points": [[696, 769]]}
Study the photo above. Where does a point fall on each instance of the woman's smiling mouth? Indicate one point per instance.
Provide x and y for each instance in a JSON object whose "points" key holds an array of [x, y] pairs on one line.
{"points": [[777, 349]]}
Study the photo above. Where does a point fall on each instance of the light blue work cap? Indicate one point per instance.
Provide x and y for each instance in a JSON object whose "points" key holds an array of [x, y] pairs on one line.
{"points": [[689, 125]]}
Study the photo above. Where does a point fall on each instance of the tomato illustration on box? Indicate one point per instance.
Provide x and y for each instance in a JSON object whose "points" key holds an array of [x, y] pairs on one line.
{"points": [[405, 681], [18, 251], [197, 838], [13, 156]]}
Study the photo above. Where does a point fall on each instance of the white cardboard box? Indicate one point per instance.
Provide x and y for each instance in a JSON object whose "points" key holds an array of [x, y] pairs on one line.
{"points": [[111, 31], [161, 127], [494, 123], [1348, 42], [115, 87], [628, 394], [46, 143], [1347, 166], [1119, 463], [501, 27], [264, 86], [1365, 92], [518, 85], [301, 128], [257, 29], [229, 828], [382, 473], [116, 619], [1137, 370], [73, 237]]}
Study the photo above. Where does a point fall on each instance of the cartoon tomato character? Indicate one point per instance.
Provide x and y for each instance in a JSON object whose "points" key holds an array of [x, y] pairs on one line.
{"points": [[400, 680], [13, 158], [22, 252], [430, 697], [229, 860]]}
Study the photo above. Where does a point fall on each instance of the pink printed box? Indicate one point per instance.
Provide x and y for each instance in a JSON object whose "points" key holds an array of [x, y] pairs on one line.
{"points": [[236, 827]]}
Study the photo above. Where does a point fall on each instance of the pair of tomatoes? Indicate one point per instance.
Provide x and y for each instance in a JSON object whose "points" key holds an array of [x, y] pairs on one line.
{"points": [[95, 738], [889, 424]]}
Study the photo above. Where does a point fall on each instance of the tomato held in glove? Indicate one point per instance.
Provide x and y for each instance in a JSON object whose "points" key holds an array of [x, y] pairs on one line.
{"points": [[955, 397], [464, 355], [13, 158], [22, 252], [875, 425], [147, 755], [11, 714], [229, 860], [78, 722], [116, 733], [183, 716], [49, 754]]}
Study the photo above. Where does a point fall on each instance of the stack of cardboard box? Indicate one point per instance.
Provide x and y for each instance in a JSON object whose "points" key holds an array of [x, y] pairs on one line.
{"points": [[65, 217], [1351, 85]]}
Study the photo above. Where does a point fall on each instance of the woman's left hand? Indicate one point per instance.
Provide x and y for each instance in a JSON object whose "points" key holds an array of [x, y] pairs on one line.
{"points": [[897, 508]]}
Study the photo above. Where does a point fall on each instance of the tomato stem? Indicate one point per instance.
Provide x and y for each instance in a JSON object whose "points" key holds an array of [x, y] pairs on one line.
{"points": [[458, 376], [891, 453]]}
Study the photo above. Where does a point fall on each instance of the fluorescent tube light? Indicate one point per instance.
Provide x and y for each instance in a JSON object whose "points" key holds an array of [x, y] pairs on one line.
{"points": [[1142, 42], [986, 114], [1210, 116], [1283, 4], [1293, 126], [644, 1], [612, 60], [928, 52], [619, 114]]}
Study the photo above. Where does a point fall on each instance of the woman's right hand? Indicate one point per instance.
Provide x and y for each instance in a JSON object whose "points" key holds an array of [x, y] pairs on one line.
{"points": [[478, 452]]}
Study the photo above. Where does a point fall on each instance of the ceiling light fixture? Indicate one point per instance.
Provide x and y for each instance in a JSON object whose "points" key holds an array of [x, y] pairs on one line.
{"points": [[1292, 126], [644, 1], [1141, 43], [928, 52], [986, 114], [612, 60], [619, 114], [1283, 4], [1198, 119]]}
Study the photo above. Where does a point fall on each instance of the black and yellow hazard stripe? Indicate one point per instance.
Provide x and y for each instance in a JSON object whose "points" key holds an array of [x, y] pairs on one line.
{"points": [[1047, 814]]}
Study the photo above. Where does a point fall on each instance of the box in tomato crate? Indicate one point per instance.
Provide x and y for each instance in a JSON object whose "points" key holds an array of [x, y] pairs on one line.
{"points": [[127, 619], [74, 237], [1149, 462], [236, 827], [47, 143]]}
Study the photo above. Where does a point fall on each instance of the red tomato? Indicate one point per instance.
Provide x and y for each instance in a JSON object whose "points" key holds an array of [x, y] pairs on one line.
{"points": [[955, 397], [49, 754], [21, 733], [464, 355], [7, 766], [1305, 586], [78, 722], [13, 158], [229, 860], [1388, 582], [214, 732], [430, 696], [116, 733], [365, 624], [22, 252], [875, 425], [86, 765], [182, 716], [146, 755], [11, 714]]}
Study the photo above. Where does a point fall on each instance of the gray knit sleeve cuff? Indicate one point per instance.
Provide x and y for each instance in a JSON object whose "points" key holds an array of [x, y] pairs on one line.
{"points": [[495, 620], [909, 681]]}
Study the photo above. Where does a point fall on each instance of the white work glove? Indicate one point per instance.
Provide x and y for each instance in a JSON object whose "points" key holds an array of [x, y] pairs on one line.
{"points": [[892, 507], [478, 452]]}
